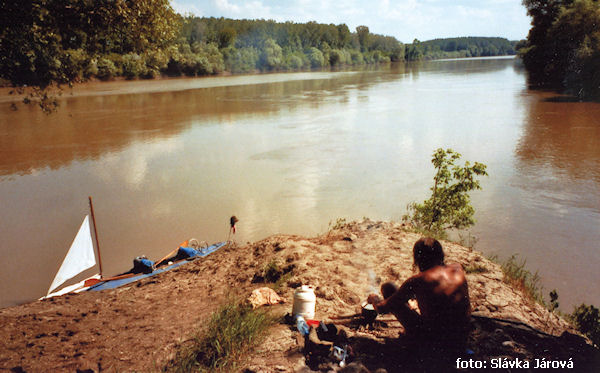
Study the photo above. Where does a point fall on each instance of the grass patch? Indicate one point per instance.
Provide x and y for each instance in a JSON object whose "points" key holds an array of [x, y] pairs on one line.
{"points": [[275, 274], [518, 276], [233, 329], [476, 268]]}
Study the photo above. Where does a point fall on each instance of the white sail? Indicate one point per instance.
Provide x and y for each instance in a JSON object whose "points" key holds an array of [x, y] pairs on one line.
{"points": [[79, 258]]}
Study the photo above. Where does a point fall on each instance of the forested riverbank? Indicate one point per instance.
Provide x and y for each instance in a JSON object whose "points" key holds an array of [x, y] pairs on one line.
{"points": [[58, 42], [563, 46]]}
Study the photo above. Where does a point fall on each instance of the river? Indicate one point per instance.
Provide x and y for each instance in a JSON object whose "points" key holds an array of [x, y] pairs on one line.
{"points": [[172, 159]]}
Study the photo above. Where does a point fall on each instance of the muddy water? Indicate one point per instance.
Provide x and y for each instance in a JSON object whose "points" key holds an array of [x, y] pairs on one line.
{"points": [[173, 159]]}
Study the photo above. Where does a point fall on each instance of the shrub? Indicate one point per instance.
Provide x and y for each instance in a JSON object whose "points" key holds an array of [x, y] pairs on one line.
{"points": [[76, 62], [156, 61], [106, 69], [271, 56], [214, 57], [91, 69], [587, 320], [133, 66], [449, 206], [315, 57], [293, 61], [240, 60], [356, 57]]}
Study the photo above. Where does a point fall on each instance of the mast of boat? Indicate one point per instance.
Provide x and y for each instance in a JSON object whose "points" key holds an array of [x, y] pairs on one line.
{"points": [[96, 235]]}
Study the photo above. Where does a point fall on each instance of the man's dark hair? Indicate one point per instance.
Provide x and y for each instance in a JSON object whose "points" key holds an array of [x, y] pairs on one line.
{"points": [[428, 253]]}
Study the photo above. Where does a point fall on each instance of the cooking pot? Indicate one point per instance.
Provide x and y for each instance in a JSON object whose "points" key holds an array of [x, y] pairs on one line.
{"points": [[368, 312]]}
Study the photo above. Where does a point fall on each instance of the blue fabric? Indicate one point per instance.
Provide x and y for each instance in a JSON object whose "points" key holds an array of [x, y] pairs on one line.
{"points": [[186, 252], [118, 283]]}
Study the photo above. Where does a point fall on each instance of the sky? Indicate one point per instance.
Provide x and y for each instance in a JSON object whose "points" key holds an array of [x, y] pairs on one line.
{"points": [[403, 19]]}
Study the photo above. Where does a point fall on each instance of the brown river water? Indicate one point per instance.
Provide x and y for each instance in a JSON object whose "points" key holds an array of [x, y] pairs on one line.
{"points": [[172, 159]]}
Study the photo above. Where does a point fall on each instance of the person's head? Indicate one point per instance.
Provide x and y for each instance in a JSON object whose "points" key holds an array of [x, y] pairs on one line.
{"points": [[428, 253]]}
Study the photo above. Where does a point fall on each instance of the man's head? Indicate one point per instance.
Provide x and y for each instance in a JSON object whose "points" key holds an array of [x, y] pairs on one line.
{"points": [[427, 253]]}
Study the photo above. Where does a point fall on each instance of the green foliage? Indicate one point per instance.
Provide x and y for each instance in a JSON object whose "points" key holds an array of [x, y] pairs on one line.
{"points": [[338, 224], [363, 37], [43, 41], [232, 331], [587, 320], [106, 68], [563, 46], [316, 57], [272, 55], [518, 276], [459, 48], [414, 51], [553, 301], [272, 273], [54, 42], [449, 206], [133, 66], [241, 60]]}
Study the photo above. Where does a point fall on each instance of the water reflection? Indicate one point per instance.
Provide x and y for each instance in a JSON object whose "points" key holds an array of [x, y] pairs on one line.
{"points": [[563, 136], [88, 126], [289, 153]]}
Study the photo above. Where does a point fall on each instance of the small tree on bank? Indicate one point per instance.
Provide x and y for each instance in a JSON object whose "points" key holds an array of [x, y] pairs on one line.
{"points": [[449, 206]]}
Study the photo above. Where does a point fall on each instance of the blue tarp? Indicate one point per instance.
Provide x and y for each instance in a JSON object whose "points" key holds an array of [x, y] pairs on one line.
{"points": [[113, 284]]}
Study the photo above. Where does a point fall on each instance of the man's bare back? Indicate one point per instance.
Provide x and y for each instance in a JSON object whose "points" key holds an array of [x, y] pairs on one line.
{"points": [[441, 293]]}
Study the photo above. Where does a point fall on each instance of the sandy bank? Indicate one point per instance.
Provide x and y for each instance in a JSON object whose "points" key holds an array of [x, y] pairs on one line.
{"points": [[139, 327]]}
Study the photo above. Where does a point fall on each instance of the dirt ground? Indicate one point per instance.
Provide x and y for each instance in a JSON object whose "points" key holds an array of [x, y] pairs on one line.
{"points": [[139, 327]]}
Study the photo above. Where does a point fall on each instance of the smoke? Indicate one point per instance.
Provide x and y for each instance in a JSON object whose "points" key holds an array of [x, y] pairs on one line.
{"points": [[372, 283]]}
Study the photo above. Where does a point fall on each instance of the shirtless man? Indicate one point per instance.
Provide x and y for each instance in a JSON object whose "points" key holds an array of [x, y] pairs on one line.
{"points": [[441, 293]]}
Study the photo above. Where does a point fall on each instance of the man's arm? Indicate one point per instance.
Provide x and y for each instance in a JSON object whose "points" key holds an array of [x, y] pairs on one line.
{"points": [[399, 298]]}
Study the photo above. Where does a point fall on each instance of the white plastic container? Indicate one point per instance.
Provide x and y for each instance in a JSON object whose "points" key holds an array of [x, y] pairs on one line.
{"points": [[304, 302]]}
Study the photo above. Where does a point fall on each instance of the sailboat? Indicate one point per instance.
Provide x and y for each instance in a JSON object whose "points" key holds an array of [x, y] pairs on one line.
{"points": [[79, 258]]}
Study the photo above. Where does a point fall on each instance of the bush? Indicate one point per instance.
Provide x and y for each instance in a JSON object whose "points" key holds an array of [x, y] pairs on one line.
{"points": [[156, 61], [271, 56], [214, 57], [133, 66], [449, 206], [76, 62], [587, 320], [315, 57], [293, 61], [106, 69], [356, 57], [91, 69], [241, 60]]}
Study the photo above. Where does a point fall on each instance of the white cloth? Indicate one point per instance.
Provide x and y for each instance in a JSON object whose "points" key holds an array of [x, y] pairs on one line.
{"points": [[79, 258]]}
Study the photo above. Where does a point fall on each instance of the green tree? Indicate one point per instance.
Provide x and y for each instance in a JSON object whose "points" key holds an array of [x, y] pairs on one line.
{"points": [[449, 205], [38, 37], [271, 56], [414, 51], [363, 37], [563, 46]]}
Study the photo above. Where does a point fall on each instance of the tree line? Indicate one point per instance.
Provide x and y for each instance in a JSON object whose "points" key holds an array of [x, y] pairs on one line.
{"points": [[562, 50], [460, 47], [63, 41]]}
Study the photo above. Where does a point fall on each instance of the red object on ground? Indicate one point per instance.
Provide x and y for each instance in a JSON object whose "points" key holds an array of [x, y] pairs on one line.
{"points": [[313, 323]]}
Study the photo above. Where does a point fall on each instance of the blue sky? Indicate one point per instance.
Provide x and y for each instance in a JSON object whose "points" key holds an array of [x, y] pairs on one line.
{"points": [[404, 19]]}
